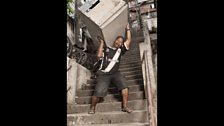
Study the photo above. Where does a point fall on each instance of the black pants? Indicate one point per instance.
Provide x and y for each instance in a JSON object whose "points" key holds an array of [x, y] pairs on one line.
{"points": [[104, 81]]}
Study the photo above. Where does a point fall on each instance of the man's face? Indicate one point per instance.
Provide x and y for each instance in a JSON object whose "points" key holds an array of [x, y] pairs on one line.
{"points": [[118, 42]]}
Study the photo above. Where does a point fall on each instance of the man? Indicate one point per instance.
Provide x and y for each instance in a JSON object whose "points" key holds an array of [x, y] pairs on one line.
{"points": [[109, 70]]}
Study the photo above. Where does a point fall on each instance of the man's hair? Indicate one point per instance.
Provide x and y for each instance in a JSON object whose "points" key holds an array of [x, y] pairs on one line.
{"points": [[121, 38]]}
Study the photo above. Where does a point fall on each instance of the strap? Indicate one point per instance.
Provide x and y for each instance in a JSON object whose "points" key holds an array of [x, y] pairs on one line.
{"points": [[113, 61]]}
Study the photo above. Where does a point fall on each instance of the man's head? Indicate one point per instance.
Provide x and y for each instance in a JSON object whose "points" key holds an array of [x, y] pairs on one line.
{"points": [[119, 41]]}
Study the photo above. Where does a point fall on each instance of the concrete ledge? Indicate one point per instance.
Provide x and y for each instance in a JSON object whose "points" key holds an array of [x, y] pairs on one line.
{"points": [[129, 82], [111, 98], [106, 107], [119, 124], [130, 69], [131, 72], [130, 65], [111, 90], [137, 116]]}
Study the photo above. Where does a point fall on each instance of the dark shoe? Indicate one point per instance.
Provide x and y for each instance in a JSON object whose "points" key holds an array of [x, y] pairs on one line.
{"points": [[126, 109]]}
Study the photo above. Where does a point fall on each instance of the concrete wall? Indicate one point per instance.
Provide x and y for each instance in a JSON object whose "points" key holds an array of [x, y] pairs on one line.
{"points": [[146, 45], [77, 75], [71, 80], [149, 74]]}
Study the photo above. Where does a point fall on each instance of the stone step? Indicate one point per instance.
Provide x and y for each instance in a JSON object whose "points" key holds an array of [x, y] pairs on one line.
{"points": [[130, 65], [133, 56], [129, 82], [136, 76], [130, 69], [93, 81], [119, 124], [106, 107], [111, 98], [137, 116], [133, 53], [112, 90], [132, 62], [132, 72]]}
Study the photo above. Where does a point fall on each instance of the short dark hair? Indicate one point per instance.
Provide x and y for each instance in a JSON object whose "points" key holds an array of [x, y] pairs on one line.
{"points": [[120, 37]]}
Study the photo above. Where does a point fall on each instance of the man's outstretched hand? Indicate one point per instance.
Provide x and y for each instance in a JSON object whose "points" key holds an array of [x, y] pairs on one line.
{"points": [[128, 27], [128, 40]]}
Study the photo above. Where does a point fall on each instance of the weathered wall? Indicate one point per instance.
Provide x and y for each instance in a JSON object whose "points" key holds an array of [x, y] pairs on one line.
{"points": [[76, 76], [71, 80]]}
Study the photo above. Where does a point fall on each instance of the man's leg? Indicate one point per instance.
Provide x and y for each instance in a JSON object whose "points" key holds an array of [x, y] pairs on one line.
{"points": [[125, 100], [102, 84], [124, 93], [94, 101], [120, 81]]}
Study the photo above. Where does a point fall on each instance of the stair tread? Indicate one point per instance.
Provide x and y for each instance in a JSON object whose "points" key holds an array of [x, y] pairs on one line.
{"points": [[108, 95], [103, 107], [112, 117], [105, 113], [131, 62], [93, 82], [110, 87], [134, 75], [111, 97], [130, 68], [115, 102], [118, 124], [111, 90]]}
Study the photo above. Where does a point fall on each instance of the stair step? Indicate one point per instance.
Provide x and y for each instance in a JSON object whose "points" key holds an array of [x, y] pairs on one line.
{"points": [[128, 75], [117, 124], [133, 56], [131, 59], [131, 72], [136, 76], [134, 53], [129, 82], [106, 107], [130, 65], [137, 116], [130, 69], [93, 81], [132, 62], [111, 98], [112, 90]]}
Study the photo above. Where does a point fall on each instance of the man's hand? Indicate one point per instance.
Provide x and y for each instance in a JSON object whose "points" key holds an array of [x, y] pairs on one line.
{"points": [[127, 27], [100, 49], [128, 41]]}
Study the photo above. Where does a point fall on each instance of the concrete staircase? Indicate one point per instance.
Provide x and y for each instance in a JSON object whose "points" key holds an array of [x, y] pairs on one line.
{"points": [[108, 111]]}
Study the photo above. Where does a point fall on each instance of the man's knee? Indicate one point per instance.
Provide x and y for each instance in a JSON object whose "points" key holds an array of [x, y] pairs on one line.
{"points": [[124, 90]]}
